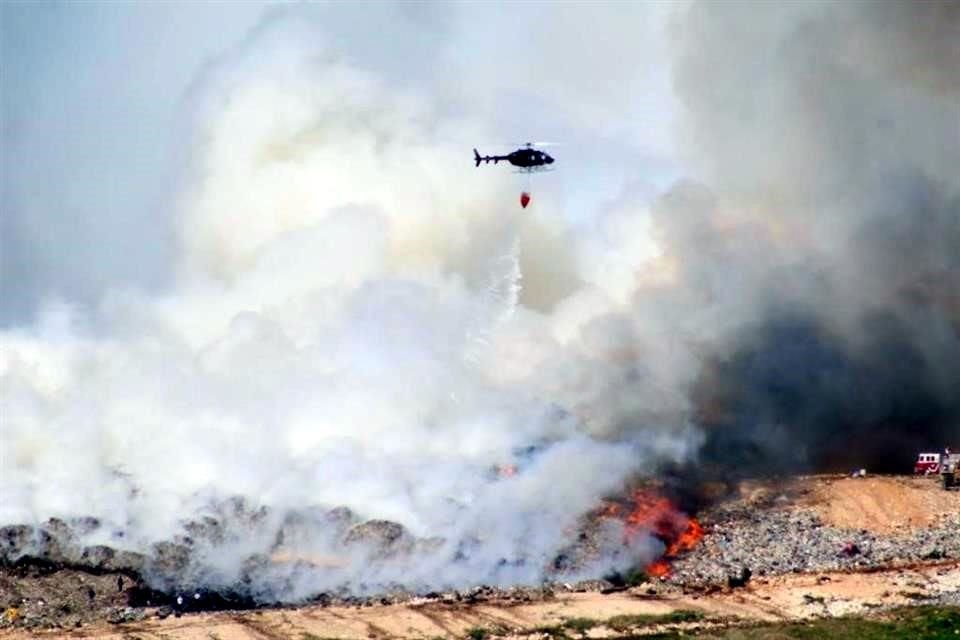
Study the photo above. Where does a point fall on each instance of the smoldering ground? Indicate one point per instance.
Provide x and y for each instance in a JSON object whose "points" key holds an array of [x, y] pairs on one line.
{"points": [[357, 320]]}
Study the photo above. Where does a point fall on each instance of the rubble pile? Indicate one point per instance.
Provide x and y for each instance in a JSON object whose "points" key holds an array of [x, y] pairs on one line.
{"points": [[57, 543], [50, 576], [781, 539]]}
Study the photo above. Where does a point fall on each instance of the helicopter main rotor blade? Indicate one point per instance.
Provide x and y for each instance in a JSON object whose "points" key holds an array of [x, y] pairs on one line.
{"points": [[519, 145]]}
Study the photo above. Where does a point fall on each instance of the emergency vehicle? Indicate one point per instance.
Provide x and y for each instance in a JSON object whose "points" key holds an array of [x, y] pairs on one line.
{"points": [[927, 463], [946, 464]]}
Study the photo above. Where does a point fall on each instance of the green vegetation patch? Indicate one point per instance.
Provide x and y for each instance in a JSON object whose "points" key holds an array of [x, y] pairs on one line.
{"points": [[908, 623], [918, 623], [627, 622], [580, 625], [484, 633]]}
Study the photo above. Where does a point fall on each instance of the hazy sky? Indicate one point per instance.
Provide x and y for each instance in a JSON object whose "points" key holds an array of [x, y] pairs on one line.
{"points": [[95, 104], [91, 93]]}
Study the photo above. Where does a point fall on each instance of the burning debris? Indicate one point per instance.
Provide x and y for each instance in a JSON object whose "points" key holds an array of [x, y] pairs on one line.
{"points": [[647, 513], [180, 565], [757, 535]]}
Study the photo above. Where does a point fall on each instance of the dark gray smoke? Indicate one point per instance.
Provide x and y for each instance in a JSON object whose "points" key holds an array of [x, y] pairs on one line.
{"points": [[827, 248]]}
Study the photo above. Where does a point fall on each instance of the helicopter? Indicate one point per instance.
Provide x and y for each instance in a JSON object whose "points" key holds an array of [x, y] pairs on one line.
{"points": [[526, 157]]}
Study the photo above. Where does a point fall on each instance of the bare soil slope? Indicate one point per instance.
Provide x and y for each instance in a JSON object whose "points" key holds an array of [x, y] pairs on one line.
{"points": [[882, 504]]}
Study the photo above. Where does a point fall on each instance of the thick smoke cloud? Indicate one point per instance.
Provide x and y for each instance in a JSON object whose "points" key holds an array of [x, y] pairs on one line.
{"points": [[830, 236], [355, 318], [359, 327]]}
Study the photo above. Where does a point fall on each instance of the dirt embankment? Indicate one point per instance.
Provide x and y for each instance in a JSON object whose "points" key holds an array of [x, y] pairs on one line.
{"points": [[882, 504]]}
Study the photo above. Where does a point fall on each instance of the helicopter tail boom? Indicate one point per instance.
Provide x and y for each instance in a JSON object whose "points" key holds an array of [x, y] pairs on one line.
{"points": [[477, 158]]}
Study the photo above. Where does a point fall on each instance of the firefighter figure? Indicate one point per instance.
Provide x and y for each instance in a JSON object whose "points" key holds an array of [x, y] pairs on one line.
{"points": [[948, 468]]}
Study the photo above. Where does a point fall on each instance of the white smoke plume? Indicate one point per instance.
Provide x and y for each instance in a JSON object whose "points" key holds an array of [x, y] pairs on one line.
{"points": [[357, 319]]}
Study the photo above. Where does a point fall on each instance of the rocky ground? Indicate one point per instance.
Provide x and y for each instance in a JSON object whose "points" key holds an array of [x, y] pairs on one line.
{"points": [[901, 533]]}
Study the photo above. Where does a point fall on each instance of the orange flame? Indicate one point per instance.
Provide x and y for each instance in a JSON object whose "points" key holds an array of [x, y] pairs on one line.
{"points": [[658, 516], [658, 569]]}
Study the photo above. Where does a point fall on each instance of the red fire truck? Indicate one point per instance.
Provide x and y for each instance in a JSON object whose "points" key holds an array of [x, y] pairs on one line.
{"points": [[927, 463]]}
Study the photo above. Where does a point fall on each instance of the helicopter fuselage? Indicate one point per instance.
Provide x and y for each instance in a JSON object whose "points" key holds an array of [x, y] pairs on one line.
{"points": [[527, 158]]}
